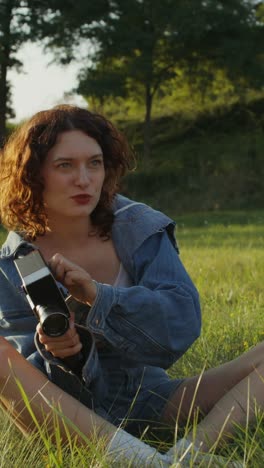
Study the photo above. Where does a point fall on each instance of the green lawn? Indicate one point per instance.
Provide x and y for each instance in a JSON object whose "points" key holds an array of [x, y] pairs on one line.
{"points": [[224, 254]]}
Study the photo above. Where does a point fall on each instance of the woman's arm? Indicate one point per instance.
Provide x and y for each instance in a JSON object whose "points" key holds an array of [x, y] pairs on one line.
{"points": [[157, 320], [153, 322]]}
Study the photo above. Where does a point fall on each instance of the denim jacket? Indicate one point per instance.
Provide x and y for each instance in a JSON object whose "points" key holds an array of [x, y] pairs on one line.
{"points": [[148, 325]]}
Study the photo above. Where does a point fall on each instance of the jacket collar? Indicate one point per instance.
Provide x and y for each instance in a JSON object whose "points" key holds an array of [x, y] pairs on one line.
{"points": [[13, 242]]}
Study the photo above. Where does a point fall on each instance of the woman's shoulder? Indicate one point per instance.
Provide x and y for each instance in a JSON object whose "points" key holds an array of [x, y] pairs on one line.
{"points": [[122, 204], [12, 243], [135, 222], [128, 210]]}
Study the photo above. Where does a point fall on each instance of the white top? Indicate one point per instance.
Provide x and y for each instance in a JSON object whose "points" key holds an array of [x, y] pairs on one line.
{"points": [[123, 279]]}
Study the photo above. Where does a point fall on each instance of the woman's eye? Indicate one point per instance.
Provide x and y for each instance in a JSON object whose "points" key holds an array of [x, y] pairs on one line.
{"points": [[64, 165], [96, 162]]}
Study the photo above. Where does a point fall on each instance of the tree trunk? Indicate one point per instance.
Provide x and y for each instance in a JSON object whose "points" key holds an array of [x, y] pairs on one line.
{"points": [[3, 99], [5, 58], [147, 125]]}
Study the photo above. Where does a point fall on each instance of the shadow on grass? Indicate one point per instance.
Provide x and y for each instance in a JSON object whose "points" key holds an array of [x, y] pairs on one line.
{"points": [[222, 229], [218, 237]]}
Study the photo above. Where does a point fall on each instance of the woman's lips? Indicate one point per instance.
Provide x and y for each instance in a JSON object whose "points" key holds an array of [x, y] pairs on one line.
{"points": [[82, 199]]}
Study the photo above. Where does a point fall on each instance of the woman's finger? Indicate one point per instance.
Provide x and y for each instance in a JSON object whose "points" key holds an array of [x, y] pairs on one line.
{"points": [[65, 352]]}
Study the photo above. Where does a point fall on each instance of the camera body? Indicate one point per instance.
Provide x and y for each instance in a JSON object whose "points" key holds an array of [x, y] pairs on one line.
{"points": [[43, 294]]}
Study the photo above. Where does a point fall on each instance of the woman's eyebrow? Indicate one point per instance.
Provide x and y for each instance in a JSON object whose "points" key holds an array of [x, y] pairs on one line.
{"points": [[64, 158]]}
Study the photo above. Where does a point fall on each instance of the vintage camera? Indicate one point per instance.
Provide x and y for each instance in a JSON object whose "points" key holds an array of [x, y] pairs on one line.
{"points": [[43, 294]]}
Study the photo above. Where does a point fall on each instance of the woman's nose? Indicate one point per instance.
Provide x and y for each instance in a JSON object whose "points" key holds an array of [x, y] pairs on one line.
{"points": [[82, 177]]}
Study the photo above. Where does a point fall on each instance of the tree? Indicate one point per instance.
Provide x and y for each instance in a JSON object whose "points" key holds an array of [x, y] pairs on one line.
{"points": [[111, 54], [14, 31], [137, 52], [143, 42], [65, 25], [59, 24]]}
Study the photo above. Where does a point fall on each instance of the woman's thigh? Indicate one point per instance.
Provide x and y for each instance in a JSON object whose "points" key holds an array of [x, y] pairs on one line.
{"points": [[203, 391]]}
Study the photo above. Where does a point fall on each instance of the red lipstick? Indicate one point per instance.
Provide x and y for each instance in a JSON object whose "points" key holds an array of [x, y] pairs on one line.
{"points": [[81, 199]]}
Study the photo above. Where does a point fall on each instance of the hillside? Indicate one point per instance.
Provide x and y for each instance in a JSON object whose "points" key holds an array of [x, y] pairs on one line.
{"points": [[211, 162]]}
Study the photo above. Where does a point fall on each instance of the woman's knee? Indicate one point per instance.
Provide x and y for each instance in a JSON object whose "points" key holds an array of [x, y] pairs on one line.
{"points": [[182, 403], [254, 358], [8, 355]]}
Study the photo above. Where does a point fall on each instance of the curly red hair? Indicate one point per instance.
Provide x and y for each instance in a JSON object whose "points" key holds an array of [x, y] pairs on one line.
{"points": [[21, 186]]}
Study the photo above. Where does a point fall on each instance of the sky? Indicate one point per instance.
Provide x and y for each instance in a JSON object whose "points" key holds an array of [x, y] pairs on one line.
{"points": [[40, 85]]}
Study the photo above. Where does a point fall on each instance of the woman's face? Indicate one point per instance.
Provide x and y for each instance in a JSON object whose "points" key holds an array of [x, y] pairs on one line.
{"points": [[73, 174]]}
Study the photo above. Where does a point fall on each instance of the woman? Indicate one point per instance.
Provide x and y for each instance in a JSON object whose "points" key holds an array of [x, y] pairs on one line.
{"points": [[136, 309]]}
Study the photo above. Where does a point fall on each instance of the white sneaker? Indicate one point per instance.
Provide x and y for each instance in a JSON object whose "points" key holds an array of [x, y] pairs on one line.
{"points": [[185, 454]]}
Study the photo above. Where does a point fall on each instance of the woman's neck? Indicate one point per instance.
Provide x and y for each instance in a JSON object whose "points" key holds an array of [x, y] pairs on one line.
{"points": [[62, 232]]}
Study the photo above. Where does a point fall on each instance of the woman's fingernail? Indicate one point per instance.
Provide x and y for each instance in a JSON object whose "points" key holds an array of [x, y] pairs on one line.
{"points": [[71, 324]]}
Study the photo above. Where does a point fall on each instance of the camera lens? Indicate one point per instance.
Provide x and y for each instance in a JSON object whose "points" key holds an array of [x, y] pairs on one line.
{"points": [[53, 321]]}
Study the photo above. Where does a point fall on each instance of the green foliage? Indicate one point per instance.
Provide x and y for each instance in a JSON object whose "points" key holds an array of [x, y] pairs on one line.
{"points": [[134, 49], [66, 27], [260, 11], [105, 81], [54, 22], [145, 45], [149, 38], [211, 162]]}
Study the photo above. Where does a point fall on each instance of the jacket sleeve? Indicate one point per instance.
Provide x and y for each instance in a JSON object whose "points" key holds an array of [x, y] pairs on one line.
{"points": [[155, 321]]}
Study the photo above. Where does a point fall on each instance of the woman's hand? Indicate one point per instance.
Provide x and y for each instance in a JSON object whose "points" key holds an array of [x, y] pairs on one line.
{"points": [[63, 346], [74, 278]]}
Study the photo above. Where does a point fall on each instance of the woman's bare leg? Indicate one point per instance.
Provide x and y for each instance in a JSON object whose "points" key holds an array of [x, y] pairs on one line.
{"points": [[46, 399], [225, 395], [42, 393]]}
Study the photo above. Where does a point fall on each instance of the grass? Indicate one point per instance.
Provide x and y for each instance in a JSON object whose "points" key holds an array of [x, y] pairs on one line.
{"points": [[226, 262], [224, 254]]}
